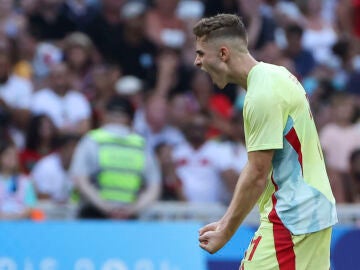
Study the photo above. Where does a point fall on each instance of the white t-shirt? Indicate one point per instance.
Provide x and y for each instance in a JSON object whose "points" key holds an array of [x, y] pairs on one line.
{"points": [[17, 92], [65, 110], [169, 134], [319, 43], [51, 178], [200, 171], [239, 155]]}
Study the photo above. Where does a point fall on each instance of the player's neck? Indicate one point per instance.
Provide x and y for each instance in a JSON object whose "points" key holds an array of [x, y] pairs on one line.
{"points": [[241, 68]]}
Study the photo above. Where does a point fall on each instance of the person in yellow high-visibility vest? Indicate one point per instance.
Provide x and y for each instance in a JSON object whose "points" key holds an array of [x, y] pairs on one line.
{"points": [[111, 168]]}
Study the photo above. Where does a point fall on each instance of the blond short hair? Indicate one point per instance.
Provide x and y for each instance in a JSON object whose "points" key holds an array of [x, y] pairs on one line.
{"points": [[221, 26]]}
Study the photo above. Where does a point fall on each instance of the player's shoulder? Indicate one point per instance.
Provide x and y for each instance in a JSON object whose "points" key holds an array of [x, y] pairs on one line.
{"points": [[266, 85], [265, 73]]}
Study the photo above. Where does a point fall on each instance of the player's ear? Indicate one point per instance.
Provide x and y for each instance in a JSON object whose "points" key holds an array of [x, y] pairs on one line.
{"points": [[224, 53]]}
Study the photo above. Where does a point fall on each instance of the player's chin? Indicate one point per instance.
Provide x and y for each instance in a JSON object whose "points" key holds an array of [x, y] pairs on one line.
{"points": [[221, 85]]}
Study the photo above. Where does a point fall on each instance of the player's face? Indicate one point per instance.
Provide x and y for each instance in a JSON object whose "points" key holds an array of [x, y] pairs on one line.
{"points": [[208, 59]]}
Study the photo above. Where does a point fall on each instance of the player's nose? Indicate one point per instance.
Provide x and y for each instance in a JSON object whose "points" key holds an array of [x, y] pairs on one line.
{"points": [[197, 62]]}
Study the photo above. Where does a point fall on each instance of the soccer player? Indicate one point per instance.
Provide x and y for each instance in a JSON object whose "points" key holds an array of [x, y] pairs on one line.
{"points": [[285, 172]]}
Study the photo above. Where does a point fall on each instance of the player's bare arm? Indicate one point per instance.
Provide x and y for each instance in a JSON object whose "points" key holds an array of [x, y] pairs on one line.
{"points": [[250, 186]]}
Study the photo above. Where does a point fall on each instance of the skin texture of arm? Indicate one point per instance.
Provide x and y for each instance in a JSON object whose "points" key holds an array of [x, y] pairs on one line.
{"points": [[249, 188]]}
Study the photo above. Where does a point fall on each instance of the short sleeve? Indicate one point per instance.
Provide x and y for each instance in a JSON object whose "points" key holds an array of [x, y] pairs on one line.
{"points": [[43, 102], [263, 123], [85, 158], [78, 101], [152, 171], [26, 95]]}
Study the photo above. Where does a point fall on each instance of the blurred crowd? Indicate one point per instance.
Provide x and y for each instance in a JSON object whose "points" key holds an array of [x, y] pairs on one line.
{"points": [[63, 62]]}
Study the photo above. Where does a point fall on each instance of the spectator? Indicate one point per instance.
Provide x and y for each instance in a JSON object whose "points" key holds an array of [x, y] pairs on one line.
{"points": [[189, 11], [100, 87], [79, 57], [137, 55], [181, 108], [47, 20], [320, 101], [204, 176], [114, 174], [46, 55], [17, 196], [354, 171], [288, 13], [163, 26], [345, 51], [172, 75], [217, 105], [319, 35], [15, 97], [153, 123], [348, 19], [215, 7], [79, 12], [40, 141], [338, 139], [131, 88], [50, 174], [171, 184], [236, 142], [302, 58], [261, 27], [355, 12], [28, 6], [26, 50], [105, 29], [11, 22], [59, 100]]}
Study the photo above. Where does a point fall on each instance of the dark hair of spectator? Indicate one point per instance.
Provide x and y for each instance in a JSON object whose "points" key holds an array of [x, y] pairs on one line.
{"points": [[159, 146], [64, 139], [354, 155], [33, 132], [5, 144], [120, 104], [294, 29]]}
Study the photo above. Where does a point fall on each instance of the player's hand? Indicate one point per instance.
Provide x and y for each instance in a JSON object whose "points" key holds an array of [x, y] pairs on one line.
{"points": [[208, 227], [211, 238]]}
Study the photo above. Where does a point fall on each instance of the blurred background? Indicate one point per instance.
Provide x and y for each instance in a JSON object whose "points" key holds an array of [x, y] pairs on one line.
{"points": [[63, 61]]}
